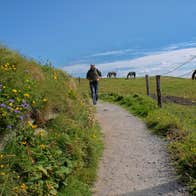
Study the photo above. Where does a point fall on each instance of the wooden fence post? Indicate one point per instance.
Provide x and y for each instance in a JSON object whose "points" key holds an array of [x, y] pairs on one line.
{"points": [[158, 86], [147, 85], [79, 80]]}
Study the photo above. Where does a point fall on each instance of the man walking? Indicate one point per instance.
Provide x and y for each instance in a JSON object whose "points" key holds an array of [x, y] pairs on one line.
{"points": [[93, 76]]}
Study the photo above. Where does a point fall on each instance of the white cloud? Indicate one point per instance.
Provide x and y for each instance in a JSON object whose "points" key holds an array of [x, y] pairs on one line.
{"points": [[171, 47], [152, 64], [180, 45], [113, 52]]}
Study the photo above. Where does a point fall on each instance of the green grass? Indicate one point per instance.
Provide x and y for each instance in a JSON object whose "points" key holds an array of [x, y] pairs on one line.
{"points": [[176, 122], [61, 158], [171, 86]]}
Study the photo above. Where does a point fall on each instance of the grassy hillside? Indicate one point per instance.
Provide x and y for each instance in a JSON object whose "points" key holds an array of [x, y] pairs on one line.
{"points": [[54, 142], [174, 121]]}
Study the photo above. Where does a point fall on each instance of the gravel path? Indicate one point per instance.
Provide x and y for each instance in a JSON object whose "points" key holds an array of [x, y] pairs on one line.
{"points": [[134, 161]]}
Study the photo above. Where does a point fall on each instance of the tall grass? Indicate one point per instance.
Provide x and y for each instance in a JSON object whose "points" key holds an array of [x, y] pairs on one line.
{"points": [[44, 156]]}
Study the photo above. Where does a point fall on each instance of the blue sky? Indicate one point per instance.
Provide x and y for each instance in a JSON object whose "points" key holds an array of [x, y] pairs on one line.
{"points": [[81, 32]]}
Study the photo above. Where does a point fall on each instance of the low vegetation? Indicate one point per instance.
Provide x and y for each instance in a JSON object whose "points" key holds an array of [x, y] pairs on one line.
{"points": [[174, 121], [54, 142]]}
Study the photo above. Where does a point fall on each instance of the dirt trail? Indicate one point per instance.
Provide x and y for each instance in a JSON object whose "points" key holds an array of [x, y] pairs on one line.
{"points": [[134, 161]]}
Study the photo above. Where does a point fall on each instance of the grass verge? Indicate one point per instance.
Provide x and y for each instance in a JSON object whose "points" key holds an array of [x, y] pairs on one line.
{"points": [[55, 143]]}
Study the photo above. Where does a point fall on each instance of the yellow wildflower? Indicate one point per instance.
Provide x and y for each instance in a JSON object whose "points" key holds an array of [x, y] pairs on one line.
{"points": [[33, 102], [41, 133], [26, 95], [24, 142], [94, 136], [14, 90], [23, 187], [34, 126], [29, 123], [2, 173], [45, 100], [2, 166], [42, 146]]}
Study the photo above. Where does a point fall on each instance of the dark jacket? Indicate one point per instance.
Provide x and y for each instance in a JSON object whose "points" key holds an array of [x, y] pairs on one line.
{"points": [[93, 74]]}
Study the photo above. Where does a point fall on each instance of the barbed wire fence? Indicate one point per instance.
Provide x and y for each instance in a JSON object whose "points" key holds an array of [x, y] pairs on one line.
{"points": [[180, 66], [188, 74], [159, 96]]}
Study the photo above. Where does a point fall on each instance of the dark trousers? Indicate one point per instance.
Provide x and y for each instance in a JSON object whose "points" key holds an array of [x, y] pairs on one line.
{"points": [[94, 88]]}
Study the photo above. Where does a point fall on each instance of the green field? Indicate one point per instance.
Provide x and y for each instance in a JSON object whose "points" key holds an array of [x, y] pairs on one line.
{"points": [[174, 121], [170, 86]]}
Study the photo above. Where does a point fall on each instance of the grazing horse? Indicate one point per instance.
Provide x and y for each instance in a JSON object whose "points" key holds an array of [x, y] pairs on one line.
{"points": [[111, 74], [130, 74], [194, 75]]}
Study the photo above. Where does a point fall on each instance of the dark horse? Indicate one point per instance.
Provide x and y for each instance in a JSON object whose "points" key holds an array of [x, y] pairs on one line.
{"points": [[130, 74], [111, 74], [194, 75]]}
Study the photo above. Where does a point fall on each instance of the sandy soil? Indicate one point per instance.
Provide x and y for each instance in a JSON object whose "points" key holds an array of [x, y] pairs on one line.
{"points": [[134, 161]]}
